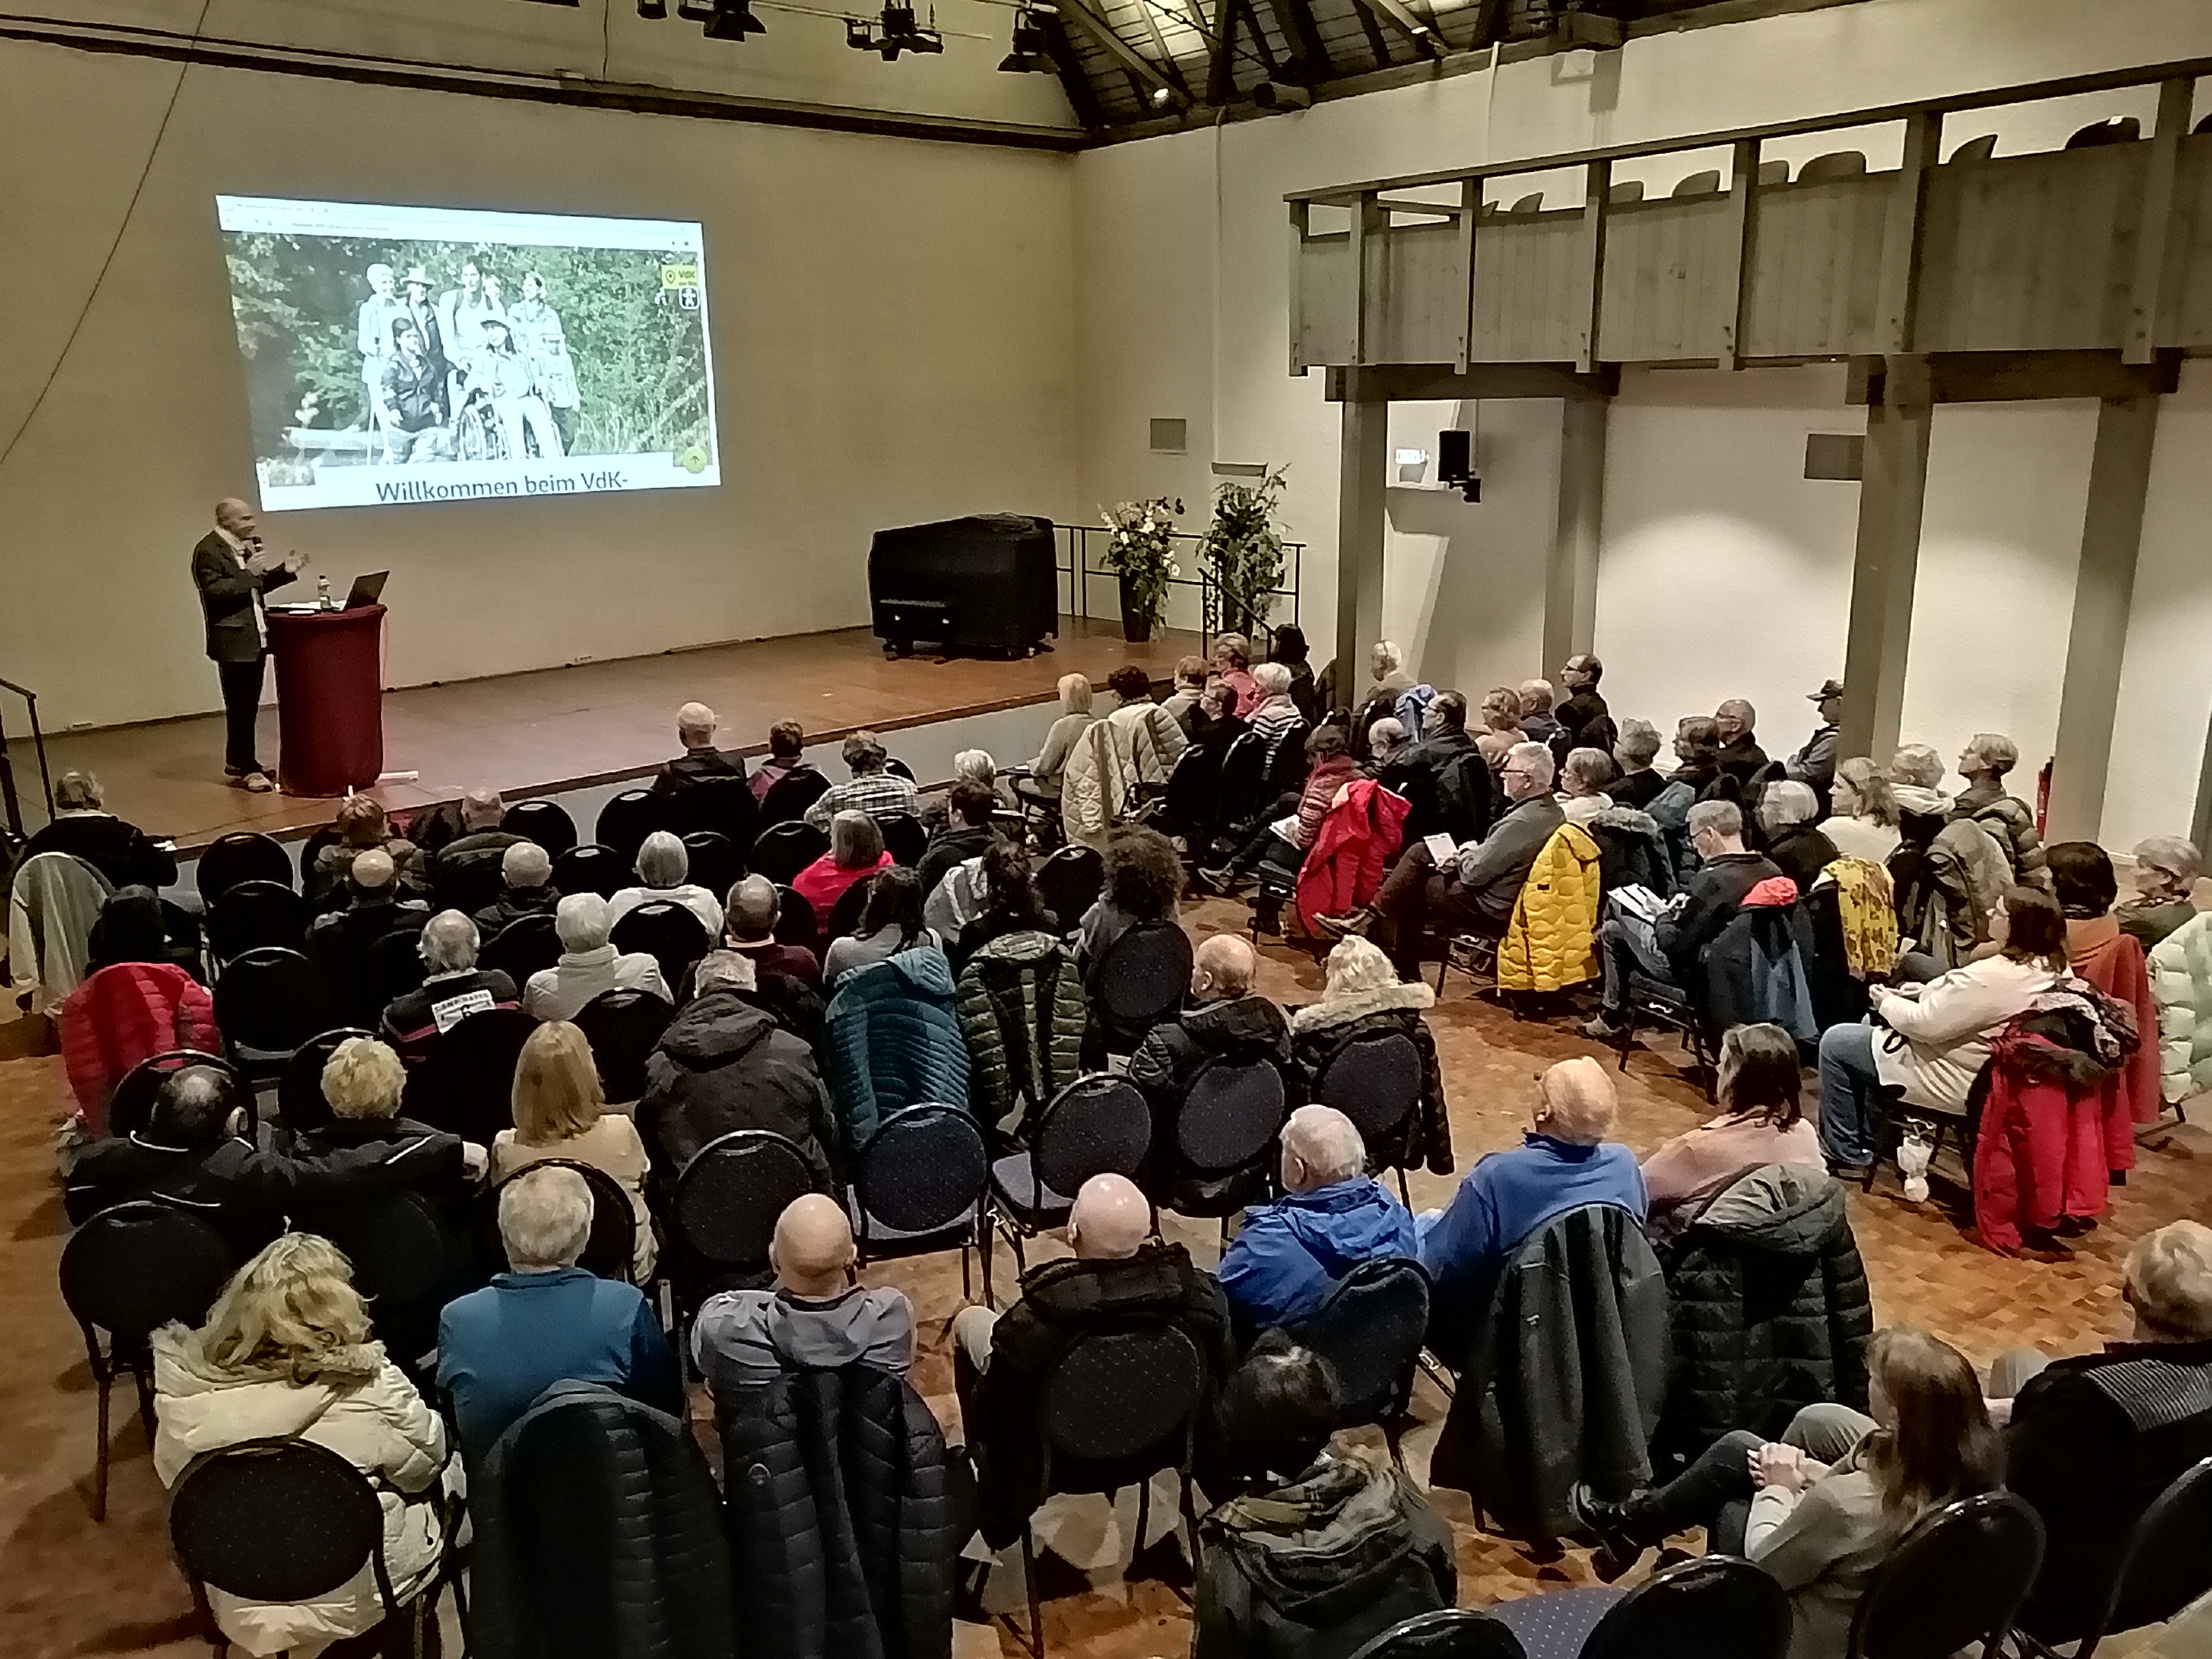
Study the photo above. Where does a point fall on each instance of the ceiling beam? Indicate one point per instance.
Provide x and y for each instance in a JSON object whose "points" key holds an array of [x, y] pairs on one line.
{"points": [[1395, 12], [1221, 73], [1294, 21], [1148, 10], [1082, 96], [1376, 43], [1140, 68]]}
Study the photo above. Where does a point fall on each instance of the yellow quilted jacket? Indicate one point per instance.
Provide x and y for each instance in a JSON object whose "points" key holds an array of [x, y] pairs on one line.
{"points": [[1549, 944], [1865, 901]]}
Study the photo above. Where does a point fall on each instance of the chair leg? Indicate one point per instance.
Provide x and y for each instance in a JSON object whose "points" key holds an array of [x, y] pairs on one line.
{"points": [[1627, 1034], [1189, 1517], [983, 1261], [1029, 1579], [100, 1476], [1144, 1513], [1404, 1192], [142, 1375]]}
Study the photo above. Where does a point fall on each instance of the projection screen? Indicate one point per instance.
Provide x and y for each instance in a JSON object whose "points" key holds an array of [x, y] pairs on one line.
{"points": [[399, 355]]}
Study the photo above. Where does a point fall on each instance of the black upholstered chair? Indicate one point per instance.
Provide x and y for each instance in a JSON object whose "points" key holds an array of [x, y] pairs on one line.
{"points": [[782, 850], [1711, 1606], [610, 1251], [622, 1026], [796, 922], [527, 945], [714, 860], [1447, 1633], [2165, 1568], [251, 915], [918, 1186], [299, 1100], [726, 1204], [1069, 882], [1376, 1081], [626, 820], [409, 1259], [130, 1107], [591, 868], [465, 1083], [1224, 1154], [1098, 1125], [1370, 1326], [668, 933], [545, 821], [1954, 1581], [267, 1003], [905, 838], [1140, 981], [241, 856]]}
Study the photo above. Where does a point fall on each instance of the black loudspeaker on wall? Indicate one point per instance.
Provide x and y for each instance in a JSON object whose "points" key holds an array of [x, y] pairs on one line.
{"points": [[1456, 461]]}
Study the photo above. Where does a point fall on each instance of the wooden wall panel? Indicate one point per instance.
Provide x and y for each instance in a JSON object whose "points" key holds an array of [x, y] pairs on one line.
{"points": [[1325, 268], [1665, 262], [1815, 277], [1425, 282], [2186, 320], [1525, 287]]}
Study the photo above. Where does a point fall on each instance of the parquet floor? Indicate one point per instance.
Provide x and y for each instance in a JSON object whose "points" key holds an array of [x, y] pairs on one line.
{"points": [[69, 1587]]}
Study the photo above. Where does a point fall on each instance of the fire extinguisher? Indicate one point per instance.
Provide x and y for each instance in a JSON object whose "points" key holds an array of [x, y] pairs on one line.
{"points": [[2042, 800]]}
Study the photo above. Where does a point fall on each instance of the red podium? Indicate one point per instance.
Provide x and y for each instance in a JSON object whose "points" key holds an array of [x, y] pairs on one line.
{"points": [[330, 699]]}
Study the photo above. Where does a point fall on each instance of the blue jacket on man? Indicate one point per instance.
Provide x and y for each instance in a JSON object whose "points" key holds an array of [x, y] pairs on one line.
{"points": [[1289, 1253]]}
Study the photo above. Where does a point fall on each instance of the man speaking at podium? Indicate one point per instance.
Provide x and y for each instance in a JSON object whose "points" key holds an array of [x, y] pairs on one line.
{"points": [[232, 569]]}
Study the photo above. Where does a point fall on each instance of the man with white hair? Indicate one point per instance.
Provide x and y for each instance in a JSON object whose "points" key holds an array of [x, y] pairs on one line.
{"points": [[588, 963], [814, 1317], [1673, 948], [84, 828], [695, 725], [1477, 891], [1227, 1023], [1000, 1361], [1563, 1163], [339, 942], [464, 873], [1332, 1217], [1386, 670], [1794, 843], [1740, 757], [664, 867], [749, 921], [546, 1320], [1639, 782], [526, 888], [232, 570], [1538, 723], [2165, 876], [2094, 1439], [454, 989]]}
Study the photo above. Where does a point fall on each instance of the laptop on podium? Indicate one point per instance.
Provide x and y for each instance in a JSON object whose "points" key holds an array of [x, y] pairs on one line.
{"points": [[365, 590]]}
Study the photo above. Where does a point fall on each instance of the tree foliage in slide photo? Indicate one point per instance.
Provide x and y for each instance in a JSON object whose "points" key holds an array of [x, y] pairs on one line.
{"points": [[637, 343]]}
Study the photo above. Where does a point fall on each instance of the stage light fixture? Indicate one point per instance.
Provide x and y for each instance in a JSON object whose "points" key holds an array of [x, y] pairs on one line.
{"points": [[655, 10], [895, 31], [859, 34], [733, 19], [1281, 95], [560, 3], [1031, 55]]}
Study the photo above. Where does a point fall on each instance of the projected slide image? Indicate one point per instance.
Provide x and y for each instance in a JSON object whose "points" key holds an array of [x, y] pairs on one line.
{"points": [[399, 354]]}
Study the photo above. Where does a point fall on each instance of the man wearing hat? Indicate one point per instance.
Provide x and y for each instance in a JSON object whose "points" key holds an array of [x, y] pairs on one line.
{"points": [[1815, 763], [510, 379], [419, 310]]}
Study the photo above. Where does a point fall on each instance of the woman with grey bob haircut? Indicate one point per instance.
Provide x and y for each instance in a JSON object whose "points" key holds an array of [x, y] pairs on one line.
{"points": [[663, 866], [2166, 869]]}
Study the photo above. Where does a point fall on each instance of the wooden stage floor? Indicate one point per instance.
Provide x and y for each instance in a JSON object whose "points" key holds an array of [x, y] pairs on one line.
{"points": [[594, 723]]}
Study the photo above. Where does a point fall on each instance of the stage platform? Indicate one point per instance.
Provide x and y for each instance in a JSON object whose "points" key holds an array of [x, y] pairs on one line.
{"points": [[557, 729]]}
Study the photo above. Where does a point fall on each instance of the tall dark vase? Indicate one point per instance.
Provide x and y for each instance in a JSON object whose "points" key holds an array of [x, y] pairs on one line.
{"points": [[1136, 627]]}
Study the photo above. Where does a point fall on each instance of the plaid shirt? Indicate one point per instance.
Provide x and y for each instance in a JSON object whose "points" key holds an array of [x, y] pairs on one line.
{"points": [[879, 794]]}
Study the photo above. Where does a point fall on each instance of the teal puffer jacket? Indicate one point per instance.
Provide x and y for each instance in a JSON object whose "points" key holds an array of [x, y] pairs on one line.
{"points": [[893, 1040]]}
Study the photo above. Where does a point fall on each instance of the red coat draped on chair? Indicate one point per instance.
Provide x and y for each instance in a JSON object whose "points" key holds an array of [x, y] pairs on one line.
{"points": [[1358, 844]]}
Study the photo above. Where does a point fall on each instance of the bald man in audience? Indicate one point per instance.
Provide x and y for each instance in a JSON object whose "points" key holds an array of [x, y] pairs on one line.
{"points": [[1000, 1361], [1225, 1023], [814, 1318], [1564, 1162], [525, 888], [749, 919], [1332, 1217], [465, 869], [339, 942], [695, 725], [454, 989], [1741, 757]]}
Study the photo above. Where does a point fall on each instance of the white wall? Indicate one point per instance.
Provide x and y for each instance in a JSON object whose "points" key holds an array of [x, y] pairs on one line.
{"points": [[893, 337]]}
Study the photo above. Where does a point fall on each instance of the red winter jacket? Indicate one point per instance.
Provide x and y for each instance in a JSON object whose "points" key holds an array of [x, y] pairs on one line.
{"points": [[1359, 841], [2040, 1152], [2113, 962], [126, 1013]]}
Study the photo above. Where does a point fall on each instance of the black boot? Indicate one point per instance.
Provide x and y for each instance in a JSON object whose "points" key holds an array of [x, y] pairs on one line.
{"points": [[1624, 1529]]}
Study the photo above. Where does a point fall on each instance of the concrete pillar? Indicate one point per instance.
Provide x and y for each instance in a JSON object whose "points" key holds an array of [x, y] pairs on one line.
{"points": [[1892, 490], [1364, 461], [1571, 571]]}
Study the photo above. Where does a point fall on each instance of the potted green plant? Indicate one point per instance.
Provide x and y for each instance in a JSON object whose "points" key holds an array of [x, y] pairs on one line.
{"points": [[1242, 551], [1141, 552]]}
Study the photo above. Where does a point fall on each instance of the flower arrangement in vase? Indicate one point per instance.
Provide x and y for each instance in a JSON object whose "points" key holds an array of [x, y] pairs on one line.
{"points": [[1242, 551], [1141, 552]]}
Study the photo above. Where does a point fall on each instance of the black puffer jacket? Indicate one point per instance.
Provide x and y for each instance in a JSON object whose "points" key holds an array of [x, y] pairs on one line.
{"points": [[844, 1518], [1771, 1309], [725, 1063], [1630, 851], [1234, 1032], [598, 1537]]}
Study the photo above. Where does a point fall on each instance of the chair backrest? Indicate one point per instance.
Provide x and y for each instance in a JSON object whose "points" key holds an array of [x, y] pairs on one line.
{"points": [[622, 1026], [131, 1106], [545, 822], [667, 932], [782, 850], [899, 769], [242, 855], [136, 1266], [724, 805], [1142, 980], [715, 862], [1244, 778], [394, 967], [591, 868], [729, 1195], [796, 922], [271, 999], [279, 1520], [1286, 757], [1116, 1394], [404, 1253], [1447, 1633], [311, 851], [1230, 1118], [1713, 1606], [525, 946], [299, 1086], [610, 1251], [1069, 882], [845, 913], [1098, 1125], [250, 915], [2167, 1565], [905, 838], [1957, 1576], [1376, 1081], [1191, 793], [1370, 1326], [627, 819], [465, 1083], [922, 1170], [789, 797]]}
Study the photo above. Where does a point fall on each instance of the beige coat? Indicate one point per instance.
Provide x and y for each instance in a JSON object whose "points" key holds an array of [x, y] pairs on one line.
{"points": [[610, 1146], [1822, 1545], [363, 1410]]}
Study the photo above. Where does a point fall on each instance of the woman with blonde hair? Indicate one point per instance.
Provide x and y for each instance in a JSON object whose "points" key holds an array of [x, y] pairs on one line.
{"points": [[1862, 817], [287, 1354], [560, 1113], [1501, 725], [1051, 763]]}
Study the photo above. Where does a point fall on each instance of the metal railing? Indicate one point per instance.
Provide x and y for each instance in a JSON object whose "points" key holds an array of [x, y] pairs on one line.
{"points": [[9, 801], [1080, 568]]}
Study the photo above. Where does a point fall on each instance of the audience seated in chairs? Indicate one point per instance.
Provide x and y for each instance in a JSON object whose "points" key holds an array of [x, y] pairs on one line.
{"points": [[1761, 1122], [1862, 817], [1637, 783], [1225, 1023], [1934, 1038], [1790, 840], [455, 988], [84, 828], [1584, 775], [725, 1064], [695, 730], [872, 789], [814, 1318], [1146, 737], [1538, 723], [1672, 949], [1820, 1508], [1332, 1217], [1478, 892], [1564, 1162], [748, 919], [1182, 699], [1232, 666], [1214, 723], [526, 888], [1985, 763], [2090, 1441], [1324, 1551], [1273, 713], [787, 753], [340, 943], [1362, 998], [2086, 886], [2166, 871], [892, 1034], [588, 964], [287, 1353], [134, 1003], [1049, 768], [546, 1320], [1739, 758], [469, 865], [361, 826], [967, 833], [663, 866], [1277, 848], [198, 1110], [1500, 714], [1948, 868], [1001, 1360], [559, 1112], [1023, 1010], [890, 924], [856, 852]]}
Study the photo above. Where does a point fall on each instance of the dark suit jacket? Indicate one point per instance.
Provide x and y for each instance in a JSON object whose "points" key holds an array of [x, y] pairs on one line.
{"points": [[226, 590]]}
